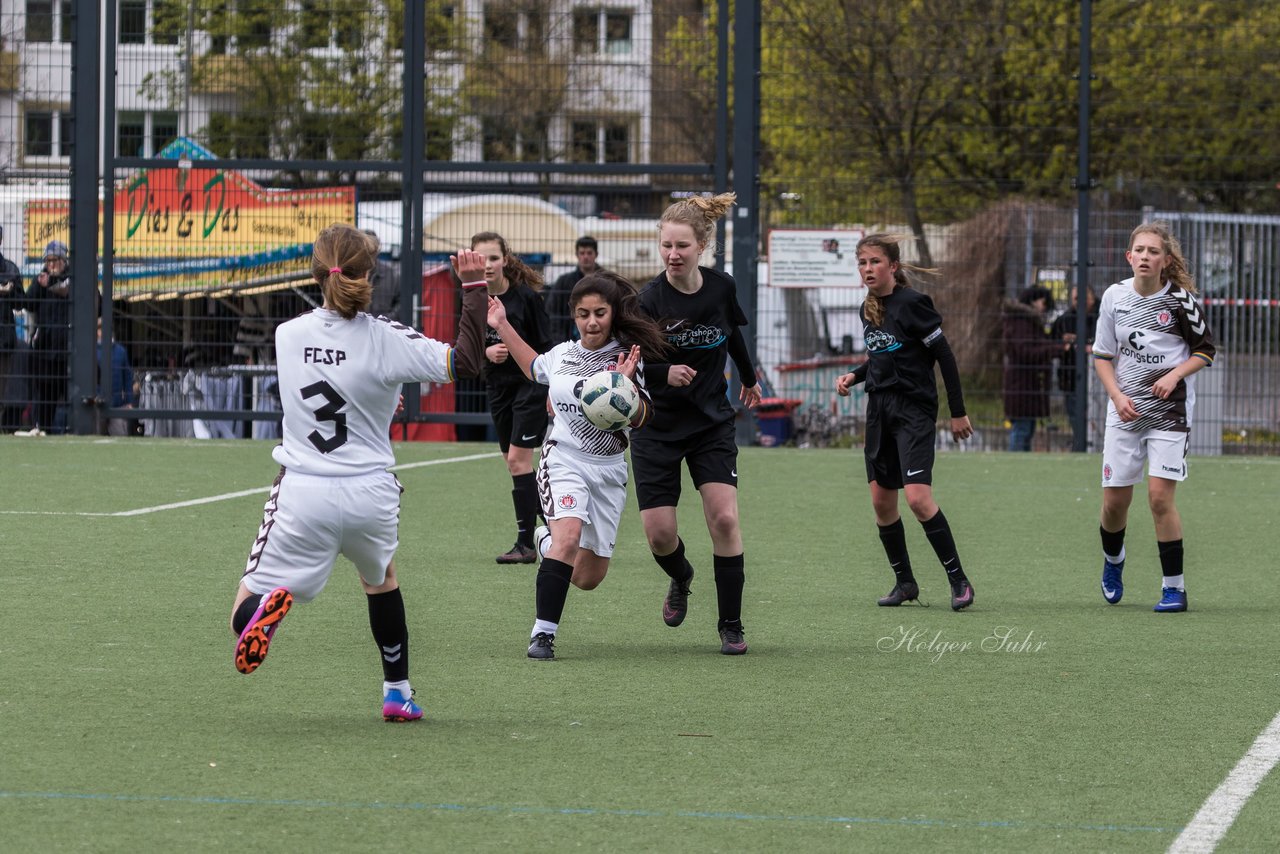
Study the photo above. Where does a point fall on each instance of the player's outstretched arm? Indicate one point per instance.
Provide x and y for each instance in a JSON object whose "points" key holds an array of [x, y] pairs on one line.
{"points": [[468, 353], [516, 346]]}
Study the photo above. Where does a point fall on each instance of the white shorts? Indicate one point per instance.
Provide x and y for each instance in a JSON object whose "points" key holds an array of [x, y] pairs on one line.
{"points": [[1124, 450], [585, 488], [309, 520]]}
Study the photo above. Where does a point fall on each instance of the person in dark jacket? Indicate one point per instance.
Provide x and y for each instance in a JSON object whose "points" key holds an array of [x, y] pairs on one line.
{"points": [[49, 299], [1028, 358], [12, 298], [1065, 333], [563, 327]]}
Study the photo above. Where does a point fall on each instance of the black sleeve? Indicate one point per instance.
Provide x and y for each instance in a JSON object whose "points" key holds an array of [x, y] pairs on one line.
{"points": [[860, 372], [539, 323], [655, 374], [742, 358], [950, 374]]}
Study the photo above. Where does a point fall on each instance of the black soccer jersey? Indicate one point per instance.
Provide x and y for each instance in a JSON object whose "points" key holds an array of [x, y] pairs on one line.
{"points": [[698, 326], [528, 316], [899, 358]]}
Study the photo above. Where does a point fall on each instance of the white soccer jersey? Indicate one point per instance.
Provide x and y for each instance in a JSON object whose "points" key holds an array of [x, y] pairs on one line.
{"points": [[1145, 338], [563, 369], [340, 385]]}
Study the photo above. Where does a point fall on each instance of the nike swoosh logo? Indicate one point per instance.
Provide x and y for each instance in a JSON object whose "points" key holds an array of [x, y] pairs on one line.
{"points": [[527, 438], [673, 326], [1108, 591], [733, 473], [914, 473]]}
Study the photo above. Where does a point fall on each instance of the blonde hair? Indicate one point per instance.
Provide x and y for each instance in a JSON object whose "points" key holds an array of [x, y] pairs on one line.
{"points": [[699, 213], [516, 271], [341, 260], [1176, 270], [873, 306]]}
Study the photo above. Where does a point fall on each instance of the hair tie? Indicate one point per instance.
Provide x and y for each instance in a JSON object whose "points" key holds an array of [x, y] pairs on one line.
{"points": [[333, 270]]}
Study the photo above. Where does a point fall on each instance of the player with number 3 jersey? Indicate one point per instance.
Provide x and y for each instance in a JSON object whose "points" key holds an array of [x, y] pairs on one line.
{"points": [[340, 371]]}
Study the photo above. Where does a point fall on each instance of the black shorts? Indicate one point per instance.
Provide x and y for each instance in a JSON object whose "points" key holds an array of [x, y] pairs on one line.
{"points": [[900, 438], [519, 414], [712, 457]]}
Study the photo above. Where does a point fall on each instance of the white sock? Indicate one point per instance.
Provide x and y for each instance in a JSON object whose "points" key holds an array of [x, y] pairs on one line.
{"points": [[540, 626], [402, 687], [1115, 559], [1173, 581]]}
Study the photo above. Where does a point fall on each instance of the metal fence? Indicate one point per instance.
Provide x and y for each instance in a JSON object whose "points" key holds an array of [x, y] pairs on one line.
{"points": [[232, 133]]}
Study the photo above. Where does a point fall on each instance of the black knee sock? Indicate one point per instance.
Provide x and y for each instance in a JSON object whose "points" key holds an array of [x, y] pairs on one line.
{"points": [[1170, 558], [944, 545], [244, 613], [675, 564], [552, 589], [391, 633], [894, 539], [524, 495], [1112, 542], [730, 578]]}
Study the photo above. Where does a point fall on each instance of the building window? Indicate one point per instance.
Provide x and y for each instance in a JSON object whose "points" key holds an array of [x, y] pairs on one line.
{"points": [[144, 134], [600, 141], [151, 21], [323, 26], [48, 21], [133, 21], [47, 134], [600, 31], [131, 135], [506, 140], [516, 28], [243, 136]]}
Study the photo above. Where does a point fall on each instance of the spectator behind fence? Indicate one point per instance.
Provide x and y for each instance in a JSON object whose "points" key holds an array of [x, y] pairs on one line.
{"points": [[1028, 357], [49, 300], [386, 285], [124, 394], [12, 299], [1064, 332], [563, 327]]}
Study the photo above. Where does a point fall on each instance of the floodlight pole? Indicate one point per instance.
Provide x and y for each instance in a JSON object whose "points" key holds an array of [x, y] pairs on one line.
{"points": [[1084, 183], [746, 181], [86, 77]]}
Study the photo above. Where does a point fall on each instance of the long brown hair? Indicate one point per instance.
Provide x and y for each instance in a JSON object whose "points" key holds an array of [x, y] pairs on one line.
{"points": [[699, 213], [341, 259], [630, 324], [1176, 270], [873, 306], [516, 271]]}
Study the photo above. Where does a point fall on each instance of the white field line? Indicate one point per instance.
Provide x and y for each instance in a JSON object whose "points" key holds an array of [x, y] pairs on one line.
{"points": [[226, 496], [1217, 813]]}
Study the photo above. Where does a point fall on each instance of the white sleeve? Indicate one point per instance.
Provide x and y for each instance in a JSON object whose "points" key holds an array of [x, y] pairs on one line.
{"points": [[544, 364], [1104, 339], [408, 356]]}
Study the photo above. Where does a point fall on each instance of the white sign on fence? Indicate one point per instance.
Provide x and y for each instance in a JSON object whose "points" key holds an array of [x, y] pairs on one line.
{"points": [[814, 258]]}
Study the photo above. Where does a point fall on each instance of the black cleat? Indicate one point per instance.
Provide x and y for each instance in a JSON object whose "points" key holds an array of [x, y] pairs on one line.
{"points": [[676, 605], [519, 554], [542, 646], [903, 591], [961, 594], [731, 640]]}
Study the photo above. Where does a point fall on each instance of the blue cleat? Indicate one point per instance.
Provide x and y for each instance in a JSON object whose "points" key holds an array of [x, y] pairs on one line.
{"points": [[397, 708], [1171, 599], [1112, 583]]}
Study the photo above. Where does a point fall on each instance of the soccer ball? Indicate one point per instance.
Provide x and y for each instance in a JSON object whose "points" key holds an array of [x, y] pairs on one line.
{"points": [[609, 400]]}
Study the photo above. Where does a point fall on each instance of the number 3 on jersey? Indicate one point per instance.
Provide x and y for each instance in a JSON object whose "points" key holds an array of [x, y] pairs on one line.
{"points": [[329, 412]]}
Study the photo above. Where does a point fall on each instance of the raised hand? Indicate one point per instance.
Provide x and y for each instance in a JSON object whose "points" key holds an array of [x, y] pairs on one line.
{"points": [[629, 361], [469, 266]]}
